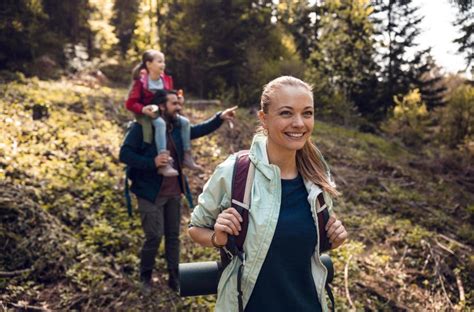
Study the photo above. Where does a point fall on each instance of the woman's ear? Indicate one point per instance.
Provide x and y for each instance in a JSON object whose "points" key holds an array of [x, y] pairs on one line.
{"points": [[263, 118]]}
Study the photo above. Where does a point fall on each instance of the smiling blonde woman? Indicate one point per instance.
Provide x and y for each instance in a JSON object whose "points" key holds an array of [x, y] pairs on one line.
{"points": [[283, 270]]}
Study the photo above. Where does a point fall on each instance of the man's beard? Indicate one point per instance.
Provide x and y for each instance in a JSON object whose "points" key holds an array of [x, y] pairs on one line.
{"points": [[170, 117]]}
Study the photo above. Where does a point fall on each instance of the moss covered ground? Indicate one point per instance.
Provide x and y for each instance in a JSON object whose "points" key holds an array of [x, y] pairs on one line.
{"points": [[68, 243]]}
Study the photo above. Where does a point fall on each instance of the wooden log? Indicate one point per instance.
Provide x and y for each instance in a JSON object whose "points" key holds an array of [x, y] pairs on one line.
{"points": [[14, 273], [201, 104]]}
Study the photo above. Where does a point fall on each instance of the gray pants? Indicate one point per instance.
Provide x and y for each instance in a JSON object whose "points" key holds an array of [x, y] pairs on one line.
{"points": [[158, 218]]}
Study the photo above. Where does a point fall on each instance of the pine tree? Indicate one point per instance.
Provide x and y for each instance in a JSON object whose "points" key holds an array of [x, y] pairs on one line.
{"points": [[465, 22], [31, 29], [345, 53], [398, 26], [68, 18], [124, 19], [430, 82], [302, 20], [227, 48]]}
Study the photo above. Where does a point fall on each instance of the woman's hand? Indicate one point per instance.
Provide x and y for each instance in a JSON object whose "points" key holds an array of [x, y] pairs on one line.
{"points": [[227, 222], [336, 232]]}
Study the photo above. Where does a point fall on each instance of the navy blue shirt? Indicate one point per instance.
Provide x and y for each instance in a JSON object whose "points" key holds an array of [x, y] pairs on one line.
{"points": [[285, 282]]}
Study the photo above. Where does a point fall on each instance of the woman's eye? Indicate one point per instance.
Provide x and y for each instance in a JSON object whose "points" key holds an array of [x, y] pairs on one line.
{"points": [[308, 113], [285, 113]]}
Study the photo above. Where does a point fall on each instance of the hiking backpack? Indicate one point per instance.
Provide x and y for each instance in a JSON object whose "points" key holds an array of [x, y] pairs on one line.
{"points": [[242, 181]]}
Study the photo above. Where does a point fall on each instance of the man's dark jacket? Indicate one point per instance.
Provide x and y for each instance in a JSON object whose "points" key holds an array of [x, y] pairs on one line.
{"points": [[140, 157]]}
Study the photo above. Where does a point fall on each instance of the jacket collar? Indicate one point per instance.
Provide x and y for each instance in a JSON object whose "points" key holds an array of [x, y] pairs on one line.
{"points": [[259, 157], [144, 79]]}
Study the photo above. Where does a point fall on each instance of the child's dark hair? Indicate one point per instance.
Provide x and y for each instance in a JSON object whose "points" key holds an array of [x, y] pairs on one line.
{"points": [[148, 56]]}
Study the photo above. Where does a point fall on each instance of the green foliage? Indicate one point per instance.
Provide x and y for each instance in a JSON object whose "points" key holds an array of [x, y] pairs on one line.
{"points": [[104, 40], [358, 146], [416, 234], [124, 19], [398, 28], [145, 32], [408, 118], [342, 63], [66, 178], [457, 118], [215, 49], [337, 109], [466, 24], [32, 29]]}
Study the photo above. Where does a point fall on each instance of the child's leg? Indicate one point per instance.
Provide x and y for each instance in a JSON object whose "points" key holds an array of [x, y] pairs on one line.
{"points": [[160, 141], [186, 137], [147, 129], [185, 132], [160, 134]]}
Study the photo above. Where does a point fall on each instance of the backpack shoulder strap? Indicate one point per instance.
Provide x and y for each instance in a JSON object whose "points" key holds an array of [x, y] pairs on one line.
{"points": [[323, 218], [242, 181]]}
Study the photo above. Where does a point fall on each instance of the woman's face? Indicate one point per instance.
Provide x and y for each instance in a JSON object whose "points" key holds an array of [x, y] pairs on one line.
{"points": [[290, 118], [157, 66]]}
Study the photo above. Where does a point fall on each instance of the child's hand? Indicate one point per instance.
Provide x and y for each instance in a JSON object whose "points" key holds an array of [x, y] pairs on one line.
{"points": [[150, 111]]}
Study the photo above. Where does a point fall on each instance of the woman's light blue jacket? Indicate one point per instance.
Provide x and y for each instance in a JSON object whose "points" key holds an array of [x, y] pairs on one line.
{"points": [[263, 217]]}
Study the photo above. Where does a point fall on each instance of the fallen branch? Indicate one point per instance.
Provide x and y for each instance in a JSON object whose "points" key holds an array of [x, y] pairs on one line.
{"points": [[462, 296], [111, 273], [444, 247], [14, 273], [338, 176], [454, 242], [399, 264], [27, 307], [440, 278], [426, 262], [379, 290], [346, 282], [203, 103], [386, 189], [75, 303]]}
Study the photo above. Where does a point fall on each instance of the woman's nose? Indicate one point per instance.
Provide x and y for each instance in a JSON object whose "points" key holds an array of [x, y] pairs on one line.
{"points": [[298, 121]]}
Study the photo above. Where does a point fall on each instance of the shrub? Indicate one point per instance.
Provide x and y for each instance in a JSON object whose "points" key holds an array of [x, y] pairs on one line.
{"points": [[408, 118], [457, 118]]}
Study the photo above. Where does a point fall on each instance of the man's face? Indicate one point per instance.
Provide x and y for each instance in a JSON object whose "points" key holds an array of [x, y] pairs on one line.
{"points": [[173, 106]]}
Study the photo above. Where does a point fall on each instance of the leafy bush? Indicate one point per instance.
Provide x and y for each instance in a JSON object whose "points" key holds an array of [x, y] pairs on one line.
{"points": [[457, 118], [408, 118]]}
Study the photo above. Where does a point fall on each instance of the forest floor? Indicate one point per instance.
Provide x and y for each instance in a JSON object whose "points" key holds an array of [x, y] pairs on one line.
{"points": [[68, 243]]}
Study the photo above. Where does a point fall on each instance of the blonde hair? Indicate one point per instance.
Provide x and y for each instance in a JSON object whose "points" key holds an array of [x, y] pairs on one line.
{"points": [[309, 160], [148, 56]]}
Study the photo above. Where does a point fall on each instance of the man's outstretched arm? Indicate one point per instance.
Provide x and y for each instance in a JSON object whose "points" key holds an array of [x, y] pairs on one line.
{"points": [[213, 123]]}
